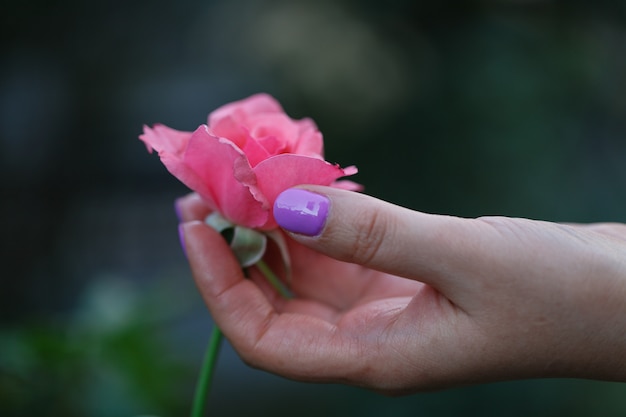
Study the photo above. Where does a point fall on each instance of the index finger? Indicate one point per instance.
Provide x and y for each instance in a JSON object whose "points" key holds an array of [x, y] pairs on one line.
{"points": [[191, 207], [295, 345]]}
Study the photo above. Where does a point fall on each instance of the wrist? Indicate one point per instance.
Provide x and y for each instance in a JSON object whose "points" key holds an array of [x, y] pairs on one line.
{"points": [[602, 342]]}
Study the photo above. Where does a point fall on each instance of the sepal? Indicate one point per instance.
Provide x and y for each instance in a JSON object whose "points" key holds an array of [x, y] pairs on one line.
{"points": [[248, 245]]}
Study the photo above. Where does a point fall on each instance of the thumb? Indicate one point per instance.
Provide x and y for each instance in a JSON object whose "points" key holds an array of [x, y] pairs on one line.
{"points": [[360, 229]]}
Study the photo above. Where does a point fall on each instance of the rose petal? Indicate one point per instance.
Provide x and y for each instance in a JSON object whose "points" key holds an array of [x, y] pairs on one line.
{"points": [[224, 169], [310, 143], [280, 172], [351, 170], [227, 127], [185, 174], [272, 145], [237, 133], [171, 145], [306, 124], [165, 139], [347, 185], [258, 103], [278, 125]]}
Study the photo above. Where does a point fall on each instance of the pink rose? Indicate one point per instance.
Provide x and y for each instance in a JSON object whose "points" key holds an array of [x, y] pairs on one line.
{"points": [[248, 154]]}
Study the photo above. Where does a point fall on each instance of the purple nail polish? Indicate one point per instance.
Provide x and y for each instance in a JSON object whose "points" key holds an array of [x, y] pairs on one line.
{"points": [[177, 210], [301, 211], [181, 236]]}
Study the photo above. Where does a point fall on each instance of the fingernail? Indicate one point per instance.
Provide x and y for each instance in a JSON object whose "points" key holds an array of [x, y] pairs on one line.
{"points": [[177, 210], [181, 237], [301, 211]]}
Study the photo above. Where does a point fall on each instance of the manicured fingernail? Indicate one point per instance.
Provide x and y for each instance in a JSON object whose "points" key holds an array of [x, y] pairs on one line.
{"points": [[181, 237], [301, 211], [177, 210]]}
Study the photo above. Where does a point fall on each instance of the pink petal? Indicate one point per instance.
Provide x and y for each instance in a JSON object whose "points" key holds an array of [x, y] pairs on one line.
{"points": [[165, 139], [185, 174], [227, 127], [347, 185], [280, 172], [351, 170], [255, 104], [271, 144], [278, 125], [310, 143], [224, 169], [255, 152], [306, 124], [171, 145]]}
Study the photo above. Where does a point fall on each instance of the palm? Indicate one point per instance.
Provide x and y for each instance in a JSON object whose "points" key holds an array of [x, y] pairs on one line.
{"points": [[337, 291], [340, 312]]}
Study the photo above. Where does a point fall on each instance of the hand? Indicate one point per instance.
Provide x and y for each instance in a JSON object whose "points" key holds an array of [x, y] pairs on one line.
{"points": [[400, 301]]}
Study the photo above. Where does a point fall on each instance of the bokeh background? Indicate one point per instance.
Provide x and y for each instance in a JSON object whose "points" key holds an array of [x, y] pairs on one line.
{"points": [[472, 108]]}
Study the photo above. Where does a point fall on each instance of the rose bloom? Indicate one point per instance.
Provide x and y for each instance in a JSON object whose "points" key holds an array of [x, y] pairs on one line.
{"points": [[249, 152]]}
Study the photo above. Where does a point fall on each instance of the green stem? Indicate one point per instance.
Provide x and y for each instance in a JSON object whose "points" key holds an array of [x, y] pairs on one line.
{"points": [[205, 378], [272, 279]]}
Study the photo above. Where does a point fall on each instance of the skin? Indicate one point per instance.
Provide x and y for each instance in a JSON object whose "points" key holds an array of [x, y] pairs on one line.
{"points": [[399, 301]]}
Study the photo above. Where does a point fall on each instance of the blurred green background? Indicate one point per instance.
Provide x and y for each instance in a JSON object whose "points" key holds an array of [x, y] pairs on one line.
{"points": [[472, 108]]}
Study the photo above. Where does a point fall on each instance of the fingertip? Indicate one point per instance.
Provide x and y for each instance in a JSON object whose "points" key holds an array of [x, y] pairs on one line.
{"points": [[301, 211], [212, 262], [177, 209], [181, 238], [190, 207]]}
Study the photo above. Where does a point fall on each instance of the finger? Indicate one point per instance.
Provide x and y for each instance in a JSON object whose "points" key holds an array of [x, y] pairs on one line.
{"points": [[615, 230], [191, 207], [292, 344], [360, 229], [236, 303]]}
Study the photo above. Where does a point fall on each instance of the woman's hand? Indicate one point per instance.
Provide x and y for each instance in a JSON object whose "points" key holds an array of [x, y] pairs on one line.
{"points": [[400, 301]]}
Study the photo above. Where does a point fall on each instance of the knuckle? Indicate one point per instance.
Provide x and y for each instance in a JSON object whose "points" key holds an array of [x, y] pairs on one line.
{"points": [[370, 236], [250, 343]]}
